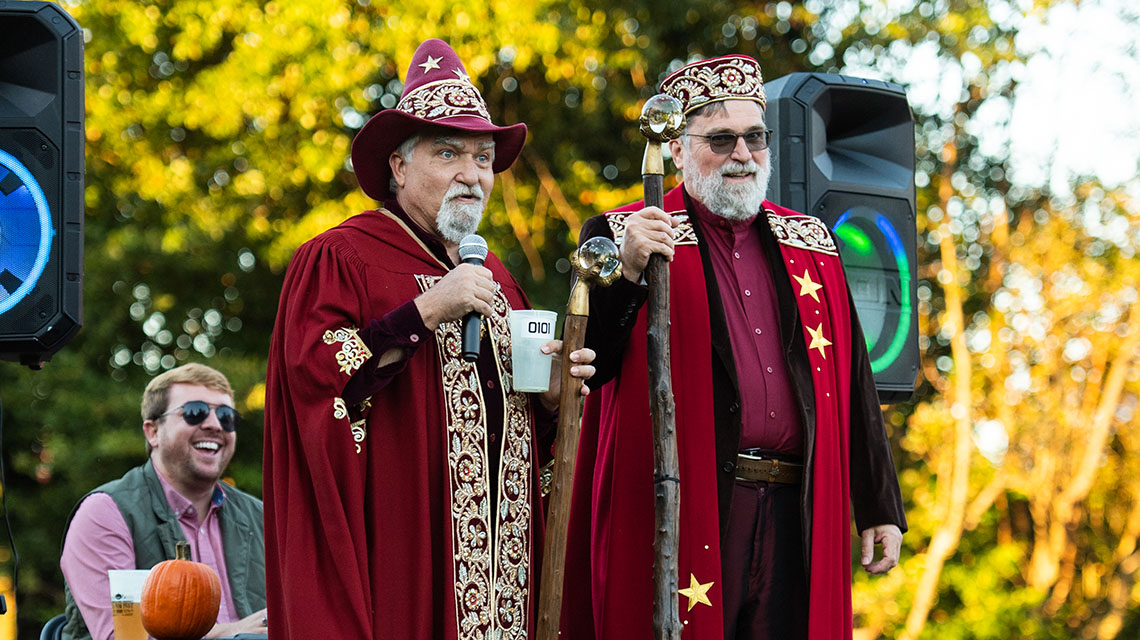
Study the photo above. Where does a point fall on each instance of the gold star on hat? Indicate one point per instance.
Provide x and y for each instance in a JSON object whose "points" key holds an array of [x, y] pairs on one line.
{"points": [[807, 286], [818, 341], [432, 63], [696, 592]]}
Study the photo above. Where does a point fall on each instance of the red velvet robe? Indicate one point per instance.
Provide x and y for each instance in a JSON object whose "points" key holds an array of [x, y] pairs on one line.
{"points": [[610, 554], [378, 517]]}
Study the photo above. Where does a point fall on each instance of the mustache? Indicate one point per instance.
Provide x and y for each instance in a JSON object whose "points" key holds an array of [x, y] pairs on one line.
{"points": [[739, 167], [463, 190]]}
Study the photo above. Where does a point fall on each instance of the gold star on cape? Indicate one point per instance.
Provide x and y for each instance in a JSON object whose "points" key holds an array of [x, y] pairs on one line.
{"points": [[818, 341], [432, 63], [807, 287], [696, 592]]}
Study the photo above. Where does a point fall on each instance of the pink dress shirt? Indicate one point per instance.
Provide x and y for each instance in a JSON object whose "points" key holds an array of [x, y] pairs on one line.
{"points": [[99, 540]]}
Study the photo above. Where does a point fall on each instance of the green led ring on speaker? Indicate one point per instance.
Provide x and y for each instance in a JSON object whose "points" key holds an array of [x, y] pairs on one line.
{"points": [[857, 240]]}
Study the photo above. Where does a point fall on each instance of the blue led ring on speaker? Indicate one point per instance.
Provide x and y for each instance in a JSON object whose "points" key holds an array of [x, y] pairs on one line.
{"points": [[25, 232]]}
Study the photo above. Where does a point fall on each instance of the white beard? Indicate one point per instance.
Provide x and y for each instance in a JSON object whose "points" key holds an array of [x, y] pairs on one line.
{"points": [[731, 201], [458, 220]]}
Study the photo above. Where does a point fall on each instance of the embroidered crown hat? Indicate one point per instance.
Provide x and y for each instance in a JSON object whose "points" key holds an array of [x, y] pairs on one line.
{"points": [[437, 91], [732, 77]]}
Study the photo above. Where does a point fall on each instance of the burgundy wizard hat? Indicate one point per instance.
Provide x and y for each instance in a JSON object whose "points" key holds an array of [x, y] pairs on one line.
{"points": [[437, 92]]}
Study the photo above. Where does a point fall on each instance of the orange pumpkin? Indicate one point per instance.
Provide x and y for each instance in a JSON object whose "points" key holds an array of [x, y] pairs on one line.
{"points": [[180, 598]]}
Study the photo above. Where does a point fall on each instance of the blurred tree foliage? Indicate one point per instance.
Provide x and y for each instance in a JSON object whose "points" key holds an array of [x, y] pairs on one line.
{"points": [[218, 134]]}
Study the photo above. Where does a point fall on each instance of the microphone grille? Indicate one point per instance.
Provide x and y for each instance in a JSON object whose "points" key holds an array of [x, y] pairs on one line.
{"points": [[473, 246]]}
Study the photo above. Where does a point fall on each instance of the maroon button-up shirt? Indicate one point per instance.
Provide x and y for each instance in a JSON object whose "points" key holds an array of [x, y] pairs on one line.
{"points": [[770, 417]]}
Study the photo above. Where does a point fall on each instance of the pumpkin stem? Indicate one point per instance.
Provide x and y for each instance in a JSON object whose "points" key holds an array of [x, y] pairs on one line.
{"points": [[182, 550]]}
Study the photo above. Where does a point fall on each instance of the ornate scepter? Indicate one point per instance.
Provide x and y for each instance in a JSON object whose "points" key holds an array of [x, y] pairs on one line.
{"points": [[595, 262], [662, 119]]}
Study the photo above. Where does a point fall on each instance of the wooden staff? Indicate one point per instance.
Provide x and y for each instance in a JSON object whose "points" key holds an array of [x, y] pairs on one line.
{"points": [[662, 119], [596, 262]]}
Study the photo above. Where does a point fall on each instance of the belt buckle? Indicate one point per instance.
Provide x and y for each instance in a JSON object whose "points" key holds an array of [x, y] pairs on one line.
{"points": [[748, 456]]}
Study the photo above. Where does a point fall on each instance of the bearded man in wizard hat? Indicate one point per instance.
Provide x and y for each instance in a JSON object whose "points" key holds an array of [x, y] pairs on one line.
{"points": [[401, 480], [779, 431]]}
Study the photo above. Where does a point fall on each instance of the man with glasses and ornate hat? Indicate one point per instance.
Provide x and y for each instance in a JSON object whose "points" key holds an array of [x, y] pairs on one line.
{"points": [[135, 522], [401, 479], [779, 429]]}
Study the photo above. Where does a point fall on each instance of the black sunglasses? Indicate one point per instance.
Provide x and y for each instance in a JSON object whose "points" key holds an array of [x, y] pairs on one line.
{"points": [[195, 413], [723, 143]]}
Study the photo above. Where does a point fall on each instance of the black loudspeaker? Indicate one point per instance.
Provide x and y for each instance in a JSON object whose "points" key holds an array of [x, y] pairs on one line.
{"points": [[843, 151], [41, 180]]}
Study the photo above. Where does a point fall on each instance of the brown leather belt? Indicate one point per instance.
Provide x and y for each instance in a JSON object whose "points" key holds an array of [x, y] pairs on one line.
{"points": [[756, 469]]}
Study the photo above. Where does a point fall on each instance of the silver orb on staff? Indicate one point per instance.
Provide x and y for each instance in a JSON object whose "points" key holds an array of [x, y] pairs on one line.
{"points": [[662, 119]]}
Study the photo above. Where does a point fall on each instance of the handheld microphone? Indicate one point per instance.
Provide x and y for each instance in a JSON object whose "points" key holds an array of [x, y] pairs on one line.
{"points": [[472, 250]]}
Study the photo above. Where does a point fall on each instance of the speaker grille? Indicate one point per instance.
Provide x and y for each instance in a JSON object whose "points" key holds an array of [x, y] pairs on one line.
{"points": [[41, 84], [843, 151]]}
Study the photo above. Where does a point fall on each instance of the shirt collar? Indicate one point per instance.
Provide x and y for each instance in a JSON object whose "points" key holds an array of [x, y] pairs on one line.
{"points": [[180, 505]]}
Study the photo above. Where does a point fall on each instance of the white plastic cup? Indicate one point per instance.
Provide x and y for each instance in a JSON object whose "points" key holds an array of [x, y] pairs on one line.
{"points": [[530, 329], [126, 596]]}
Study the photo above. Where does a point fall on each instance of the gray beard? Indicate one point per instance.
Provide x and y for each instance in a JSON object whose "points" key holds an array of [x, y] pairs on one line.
{"points": [[456, 220], [735, 201]]}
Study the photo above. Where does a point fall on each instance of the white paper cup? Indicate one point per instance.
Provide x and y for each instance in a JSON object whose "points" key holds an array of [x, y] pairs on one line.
{"points": [[126, 596], [530, 329]]}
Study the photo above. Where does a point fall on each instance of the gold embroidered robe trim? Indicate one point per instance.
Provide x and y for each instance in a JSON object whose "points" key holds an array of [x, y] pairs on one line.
{"points": [[357, 419], [353, 352], [683, 234], [492, 586], [802, 232]]}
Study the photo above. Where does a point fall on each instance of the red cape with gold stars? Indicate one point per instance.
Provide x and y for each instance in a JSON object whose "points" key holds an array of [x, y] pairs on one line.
{"points": [[609, 567]]}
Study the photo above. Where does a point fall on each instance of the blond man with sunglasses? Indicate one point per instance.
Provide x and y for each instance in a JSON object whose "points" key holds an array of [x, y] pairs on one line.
{"points": [[134, 522]]}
